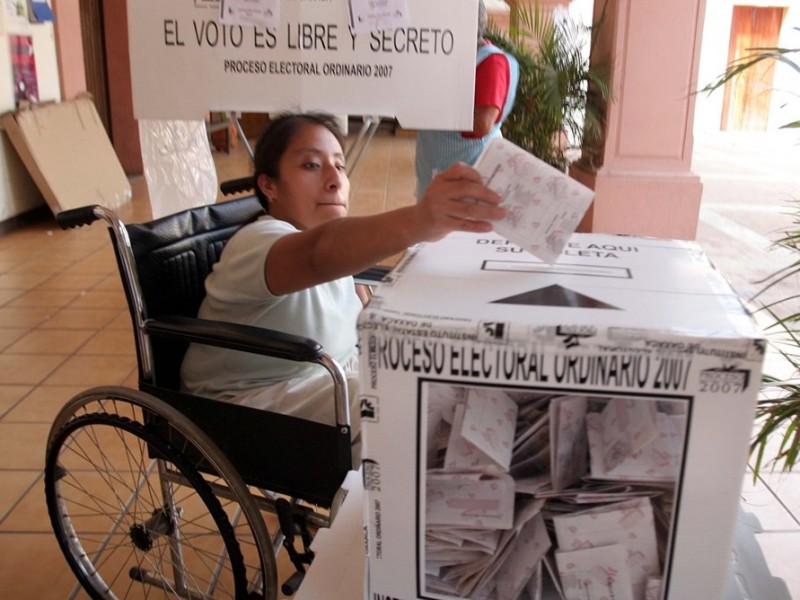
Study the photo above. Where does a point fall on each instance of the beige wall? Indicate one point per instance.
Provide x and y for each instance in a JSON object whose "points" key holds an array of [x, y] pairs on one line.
{"points": [[18, 193], [61, 75]]}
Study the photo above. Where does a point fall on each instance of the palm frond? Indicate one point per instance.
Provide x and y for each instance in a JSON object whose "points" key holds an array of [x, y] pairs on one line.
{"points": [[778, 410], [745, 63], [559, 92]]}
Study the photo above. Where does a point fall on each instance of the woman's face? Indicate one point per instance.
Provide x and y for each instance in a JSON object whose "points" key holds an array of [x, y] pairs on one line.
{"points": [[312, 185]]}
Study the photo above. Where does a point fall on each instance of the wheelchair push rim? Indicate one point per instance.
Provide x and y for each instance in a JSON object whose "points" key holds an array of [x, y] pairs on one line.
{"points": [[133, 515]]}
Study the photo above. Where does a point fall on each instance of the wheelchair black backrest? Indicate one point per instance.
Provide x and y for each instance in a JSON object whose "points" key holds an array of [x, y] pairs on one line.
{"points": [[173, 256]]}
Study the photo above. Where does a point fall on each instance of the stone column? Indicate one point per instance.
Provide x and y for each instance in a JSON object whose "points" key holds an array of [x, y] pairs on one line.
{"points": [[644, 184]]}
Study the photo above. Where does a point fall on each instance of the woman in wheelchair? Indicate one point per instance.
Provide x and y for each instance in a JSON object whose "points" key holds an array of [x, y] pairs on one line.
{"points": [[292, 268], [181, 483]]}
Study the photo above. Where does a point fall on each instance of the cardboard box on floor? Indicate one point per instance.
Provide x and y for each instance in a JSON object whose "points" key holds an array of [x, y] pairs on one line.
{"points": [[66, 150], [472, 320]]}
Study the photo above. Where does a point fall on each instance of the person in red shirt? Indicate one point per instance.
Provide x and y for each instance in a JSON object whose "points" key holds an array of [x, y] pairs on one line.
{"points": [[496, 79]]}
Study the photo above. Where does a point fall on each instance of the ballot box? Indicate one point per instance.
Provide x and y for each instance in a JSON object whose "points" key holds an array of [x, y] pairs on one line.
{"points": [[569, 430]]}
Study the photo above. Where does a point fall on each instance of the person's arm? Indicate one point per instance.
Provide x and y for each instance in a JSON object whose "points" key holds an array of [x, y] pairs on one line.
{"points": [[492, 79], [363, 293], [349, 245], [484, 119]]}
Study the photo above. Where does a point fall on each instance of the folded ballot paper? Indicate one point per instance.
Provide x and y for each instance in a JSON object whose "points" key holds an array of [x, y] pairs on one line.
{"points": [[544, 205], [631, 440], [483, 430], [568, 440], [595, 573], [628, 525], [468, 499]]}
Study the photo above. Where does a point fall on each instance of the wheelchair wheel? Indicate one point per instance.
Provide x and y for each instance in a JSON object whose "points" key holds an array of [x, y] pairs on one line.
{"points": [[136, 517]]}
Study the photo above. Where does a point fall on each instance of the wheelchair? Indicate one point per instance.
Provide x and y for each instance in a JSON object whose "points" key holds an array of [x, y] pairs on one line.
{"points": [[155, 493]]}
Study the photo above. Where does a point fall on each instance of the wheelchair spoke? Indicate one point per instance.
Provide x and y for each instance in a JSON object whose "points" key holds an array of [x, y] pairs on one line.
{"points": [[115, 480]]}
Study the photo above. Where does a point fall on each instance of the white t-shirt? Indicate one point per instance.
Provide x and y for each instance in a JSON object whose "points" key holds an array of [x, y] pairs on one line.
{"points": [[237, 292]]}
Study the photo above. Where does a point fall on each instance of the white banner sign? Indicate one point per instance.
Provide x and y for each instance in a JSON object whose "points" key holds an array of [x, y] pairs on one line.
{"points": [[184, 63]]}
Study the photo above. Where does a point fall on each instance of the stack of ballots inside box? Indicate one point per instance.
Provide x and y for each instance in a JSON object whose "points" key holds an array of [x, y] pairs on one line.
{"points": [[560, 430], [504, 467]]}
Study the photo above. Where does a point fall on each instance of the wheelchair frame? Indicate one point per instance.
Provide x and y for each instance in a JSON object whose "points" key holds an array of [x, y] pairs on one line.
{"points": [[192, 470]]}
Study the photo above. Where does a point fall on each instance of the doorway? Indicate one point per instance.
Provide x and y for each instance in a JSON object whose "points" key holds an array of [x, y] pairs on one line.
{"points": [[748, 96], [94, 58]]}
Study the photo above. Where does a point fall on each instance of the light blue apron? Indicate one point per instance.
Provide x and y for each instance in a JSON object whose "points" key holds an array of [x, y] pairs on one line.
{"points": [[437, 150]]}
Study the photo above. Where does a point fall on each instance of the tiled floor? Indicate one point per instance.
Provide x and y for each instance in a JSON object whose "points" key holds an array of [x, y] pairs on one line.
{"points": [[64, 327]]}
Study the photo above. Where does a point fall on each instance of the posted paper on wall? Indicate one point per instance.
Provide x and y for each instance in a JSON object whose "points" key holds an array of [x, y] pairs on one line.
{"points": [[250, 12], [371, 15]]}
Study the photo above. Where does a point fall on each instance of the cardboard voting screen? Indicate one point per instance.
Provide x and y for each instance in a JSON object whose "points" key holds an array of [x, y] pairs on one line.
{"points": [[185, 63]]}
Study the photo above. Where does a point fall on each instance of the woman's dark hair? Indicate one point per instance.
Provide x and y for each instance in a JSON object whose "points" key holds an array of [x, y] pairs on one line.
{"points": [[277, 136]]}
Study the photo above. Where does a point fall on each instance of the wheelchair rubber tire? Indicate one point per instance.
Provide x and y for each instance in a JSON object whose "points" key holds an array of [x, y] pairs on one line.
{"points": [[105, 497]]}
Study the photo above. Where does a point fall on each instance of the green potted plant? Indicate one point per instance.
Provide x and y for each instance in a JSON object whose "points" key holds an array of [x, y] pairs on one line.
{"points": [[776, 442], [560, 98]]}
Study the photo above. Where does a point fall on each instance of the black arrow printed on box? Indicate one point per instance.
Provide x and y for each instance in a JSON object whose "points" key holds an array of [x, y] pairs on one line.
{"points": [[555, 295]]}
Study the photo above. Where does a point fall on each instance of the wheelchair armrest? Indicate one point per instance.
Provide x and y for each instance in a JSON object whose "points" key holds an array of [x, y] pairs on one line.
{"points": [[234, 336]]}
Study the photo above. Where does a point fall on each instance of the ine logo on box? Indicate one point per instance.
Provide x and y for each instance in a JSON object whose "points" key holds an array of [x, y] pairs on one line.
{"points": [[724, 380], [492, 331], [369, 409], [573, 334], [371, 473]]}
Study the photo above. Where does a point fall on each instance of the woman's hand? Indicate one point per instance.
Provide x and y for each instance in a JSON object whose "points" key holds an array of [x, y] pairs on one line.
{"points": [[457, 200]]}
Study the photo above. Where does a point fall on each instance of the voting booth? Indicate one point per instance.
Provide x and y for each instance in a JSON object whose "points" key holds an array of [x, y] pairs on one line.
{"points": [[344, 57], [187, 59], [568, 430]]}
